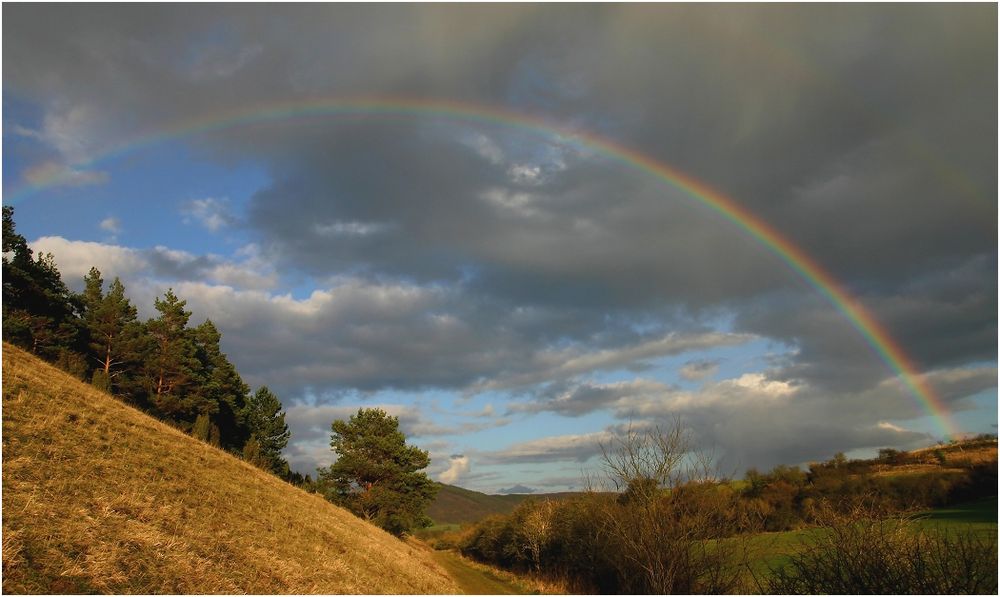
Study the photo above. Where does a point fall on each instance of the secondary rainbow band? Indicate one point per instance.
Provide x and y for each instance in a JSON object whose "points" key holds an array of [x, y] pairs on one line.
{"points": [[870, 329]]}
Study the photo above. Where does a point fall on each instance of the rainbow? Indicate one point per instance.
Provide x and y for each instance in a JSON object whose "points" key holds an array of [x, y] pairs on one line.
{"points": [[877, 337]]}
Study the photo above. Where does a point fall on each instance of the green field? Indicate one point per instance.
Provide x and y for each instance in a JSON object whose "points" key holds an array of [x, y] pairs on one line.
{"points": [[979, 514], [769, 551], [765, 552], [979, 517]]}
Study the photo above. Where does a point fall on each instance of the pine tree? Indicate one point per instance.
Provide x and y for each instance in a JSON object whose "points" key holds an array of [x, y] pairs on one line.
{"points": [[39, 311], [110, 322], [376, 475], [218, 388], [171, 364], [266, 423]]}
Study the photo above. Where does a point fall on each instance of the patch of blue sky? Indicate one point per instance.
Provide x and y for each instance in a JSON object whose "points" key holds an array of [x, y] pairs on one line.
{"points": [[300, 286], [21, 150], [982, 418], [174, 178], [146, 191], [544, 477]]}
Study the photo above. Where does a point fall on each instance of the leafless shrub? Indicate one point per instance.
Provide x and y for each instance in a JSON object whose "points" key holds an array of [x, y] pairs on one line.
{"points": [[665, 530], [863, 552]]}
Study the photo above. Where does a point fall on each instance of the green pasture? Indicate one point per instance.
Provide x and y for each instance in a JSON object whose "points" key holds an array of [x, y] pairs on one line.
{"points": [[770, 551]]}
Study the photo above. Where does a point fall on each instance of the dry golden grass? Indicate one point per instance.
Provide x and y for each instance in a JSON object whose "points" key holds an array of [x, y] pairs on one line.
{"points": [[98, 497], [968, 453], [973, 457], [899, 470]]}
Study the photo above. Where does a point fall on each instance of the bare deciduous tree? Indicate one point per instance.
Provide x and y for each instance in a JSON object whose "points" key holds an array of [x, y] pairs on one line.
{"points": [[669, 528]]}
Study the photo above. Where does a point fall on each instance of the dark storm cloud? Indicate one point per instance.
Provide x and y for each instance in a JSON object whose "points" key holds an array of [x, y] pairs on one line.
{"points": [[578, 399], [782, 116], [365, 337], [866, 134], [409, 199], [943, 317]]}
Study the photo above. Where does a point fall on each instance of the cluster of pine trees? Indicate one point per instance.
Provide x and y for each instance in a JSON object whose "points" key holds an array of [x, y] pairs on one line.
{"points": [[173, 371]]}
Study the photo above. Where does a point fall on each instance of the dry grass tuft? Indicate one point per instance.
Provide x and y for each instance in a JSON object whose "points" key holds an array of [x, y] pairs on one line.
{"points": [[98, 497]]}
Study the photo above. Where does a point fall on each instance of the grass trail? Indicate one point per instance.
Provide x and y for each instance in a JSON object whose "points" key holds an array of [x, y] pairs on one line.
{"points": [[476, 580]]}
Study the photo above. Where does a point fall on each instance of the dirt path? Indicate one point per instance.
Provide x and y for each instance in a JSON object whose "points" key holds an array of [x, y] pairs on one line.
{"points": [[474, 581]]}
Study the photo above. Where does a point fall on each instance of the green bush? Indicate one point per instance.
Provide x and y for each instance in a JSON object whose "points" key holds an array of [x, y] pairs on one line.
{"points": [[100, 380]]}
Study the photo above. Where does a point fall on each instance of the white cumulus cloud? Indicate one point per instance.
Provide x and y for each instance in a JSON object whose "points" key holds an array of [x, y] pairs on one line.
{"points": [[213, 214], [458, 467]]}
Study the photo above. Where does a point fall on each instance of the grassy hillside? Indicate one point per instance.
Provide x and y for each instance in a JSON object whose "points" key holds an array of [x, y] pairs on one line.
{"points": [[98, 497], [456, 505]]}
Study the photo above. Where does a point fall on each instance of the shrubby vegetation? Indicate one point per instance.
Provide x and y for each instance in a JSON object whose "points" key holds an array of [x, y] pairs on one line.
{"points": [[163, 366], [660, 531], [862, 552], [669, 524]]}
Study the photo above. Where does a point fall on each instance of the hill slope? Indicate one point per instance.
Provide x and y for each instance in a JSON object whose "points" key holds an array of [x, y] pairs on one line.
{"points": [[99, 497], [457, 505]]}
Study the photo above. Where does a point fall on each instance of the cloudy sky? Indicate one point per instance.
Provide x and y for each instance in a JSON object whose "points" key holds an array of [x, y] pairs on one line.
{"points": [[515, 295]]}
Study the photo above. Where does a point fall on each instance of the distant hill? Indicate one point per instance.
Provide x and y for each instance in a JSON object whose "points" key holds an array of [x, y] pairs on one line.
{"points": [[456, 505], [98, 497]]}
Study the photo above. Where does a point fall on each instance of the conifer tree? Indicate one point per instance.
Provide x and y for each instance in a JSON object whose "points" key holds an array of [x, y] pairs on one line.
{"points": [[376, 475], [218, 388], [266, 423], [39, 311], [110, 322], [171, 364]]}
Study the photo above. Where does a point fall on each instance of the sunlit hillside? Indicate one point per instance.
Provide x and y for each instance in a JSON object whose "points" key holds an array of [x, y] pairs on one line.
{"points": [[99, 497]]}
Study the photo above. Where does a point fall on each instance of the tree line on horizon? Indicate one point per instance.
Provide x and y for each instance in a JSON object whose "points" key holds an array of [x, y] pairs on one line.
{"points": [[164, 366]]}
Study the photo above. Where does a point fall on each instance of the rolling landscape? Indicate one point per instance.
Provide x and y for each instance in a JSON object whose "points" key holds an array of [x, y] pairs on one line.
{"points": [[628, 298], [127, 504]]}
